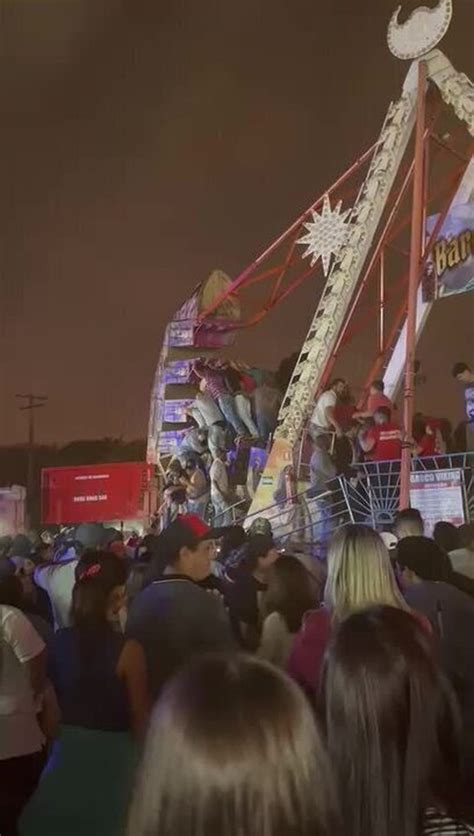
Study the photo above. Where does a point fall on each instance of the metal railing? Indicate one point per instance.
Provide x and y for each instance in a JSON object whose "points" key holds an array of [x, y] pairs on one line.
{"points": [[302, 519], [370, 497], [378, 491], [231, 513]]}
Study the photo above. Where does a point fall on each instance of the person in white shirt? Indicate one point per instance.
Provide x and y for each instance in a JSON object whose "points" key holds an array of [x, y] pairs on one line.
{"points": [[462, 559], [58, 579], [22, 681], [324, 419], [220, 494]]}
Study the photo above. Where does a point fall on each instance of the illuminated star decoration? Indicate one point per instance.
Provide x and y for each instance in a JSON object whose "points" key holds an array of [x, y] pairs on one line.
{"points": [[326, 234]]}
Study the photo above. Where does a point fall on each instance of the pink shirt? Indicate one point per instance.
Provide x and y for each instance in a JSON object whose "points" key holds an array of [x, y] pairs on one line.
{"points": [[309, 646], [305, 662]]}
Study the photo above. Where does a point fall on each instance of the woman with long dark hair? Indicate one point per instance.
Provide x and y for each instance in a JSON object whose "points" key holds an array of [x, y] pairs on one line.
{"points": [[392, 728], [100, 681], [291, 593], [233, 750], [86, 655]]}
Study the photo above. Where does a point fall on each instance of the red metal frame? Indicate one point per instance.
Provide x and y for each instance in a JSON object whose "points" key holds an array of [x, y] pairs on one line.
{"points": [[247, 277], [367, 275], [289, 269], [351, 327], [382, 300], [416, 249]]}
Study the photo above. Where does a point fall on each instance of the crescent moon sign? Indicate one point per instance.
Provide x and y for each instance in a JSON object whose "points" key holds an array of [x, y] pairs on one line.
{"points": [[421, 32]]}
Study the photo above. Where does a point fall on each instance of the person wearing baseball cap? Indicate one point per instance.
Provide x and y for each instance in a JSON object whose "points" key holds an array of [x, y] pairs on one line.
{"points": [[173, 618], [260, 525], [57, 578], [246, 592]]}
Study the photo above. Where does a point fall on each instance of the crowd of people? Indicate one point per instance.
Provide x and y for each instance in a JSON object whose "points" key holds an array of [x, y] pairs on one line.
{"points": [[372, 434], [344, 437], [235, 407], [204, 681]]}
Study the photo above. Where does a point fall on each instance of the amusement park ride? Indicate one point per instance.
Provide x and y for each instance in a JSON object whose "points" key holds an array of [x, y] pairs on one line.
{"points": [[367, 233]]}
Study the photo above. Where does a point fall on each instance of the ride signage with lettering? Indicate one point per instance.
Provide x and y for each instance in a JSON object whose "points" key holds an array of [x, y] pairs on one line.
{"points": [[451, 266], [438, 495]]}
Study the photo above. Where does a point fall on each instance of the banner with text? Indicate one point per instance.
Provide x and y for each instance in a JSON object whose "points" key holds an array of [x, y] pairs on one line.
{"points": [[94, 493], [450, 269], [438, 495]]}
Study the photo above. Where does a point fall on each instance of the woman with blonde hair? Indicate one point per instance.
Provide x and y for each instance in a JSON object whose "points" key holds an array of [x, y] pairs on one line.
{"points": [[360, 575]]}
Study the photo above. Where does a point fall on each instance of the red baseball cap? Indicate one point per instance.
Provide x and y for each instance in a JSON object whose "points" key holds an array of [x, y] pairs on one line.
{"points": [[187, 530]]}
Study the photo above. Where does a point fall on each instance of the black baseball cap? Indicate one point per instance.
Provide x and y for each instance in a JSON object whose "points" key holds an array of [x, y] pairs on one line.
{"points": [[187, 530]]}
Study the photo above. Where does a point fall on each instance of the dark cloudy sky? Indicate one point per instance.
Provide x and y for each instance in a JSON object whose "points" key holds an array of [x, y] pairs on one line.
{"points": [[144, 144]]}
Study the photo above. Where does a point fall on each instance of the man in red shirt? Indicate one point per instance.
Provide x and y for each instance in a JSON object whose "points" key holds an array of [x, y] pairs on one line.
{"points": [[384, 440], [375, 400], [428, 437], [426, 447]]}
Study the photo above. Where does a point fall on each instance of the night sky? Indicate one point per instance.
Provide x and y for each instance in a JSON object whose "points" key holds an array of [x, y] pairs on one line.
{"points": [[146, 143]]}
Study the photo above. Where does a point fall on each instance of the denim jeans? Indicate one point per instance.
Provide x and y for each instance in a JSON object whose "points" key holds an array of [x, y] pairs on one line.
{"points": [[244, 411], [199, 506], [222, 514], [216, 439], [228, 408]]}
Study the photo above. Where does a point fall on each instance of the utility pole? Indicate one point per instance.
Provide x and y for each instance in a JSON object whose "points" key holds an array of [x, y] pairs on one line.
{"points": [[31, 403]]}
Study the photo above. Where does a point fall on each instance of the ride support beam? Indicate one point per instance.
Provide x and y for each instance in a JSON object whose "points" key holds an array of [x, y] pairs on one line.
{"points": [[416, 250]]}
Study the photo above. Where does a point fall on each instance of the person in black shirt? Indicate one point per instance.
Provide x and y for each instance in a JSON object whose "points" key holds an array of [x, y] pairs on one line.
{"points": [[174, 619], [246, 588]]}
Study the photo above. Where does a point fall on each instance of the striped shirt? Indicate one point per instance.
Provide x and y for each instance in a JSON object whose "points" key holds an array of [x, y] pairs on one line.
{"points": [[215, 383], [437, 824]]}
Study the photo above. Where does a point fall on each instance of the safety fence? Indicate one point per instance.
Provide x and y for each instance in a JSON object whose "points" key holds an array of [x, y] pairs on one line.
{"points": [[370, 494]]}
